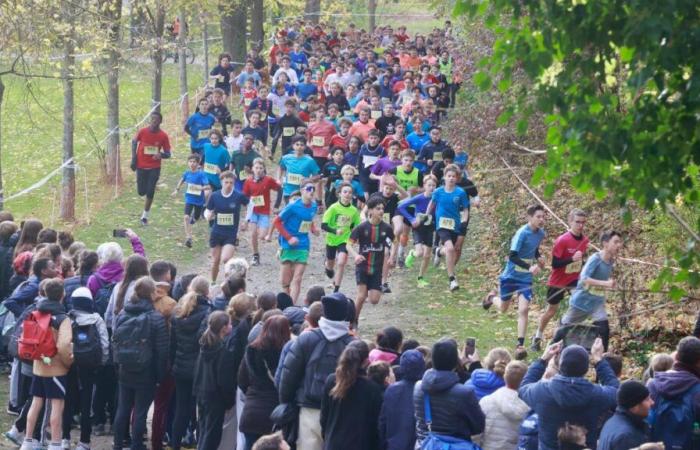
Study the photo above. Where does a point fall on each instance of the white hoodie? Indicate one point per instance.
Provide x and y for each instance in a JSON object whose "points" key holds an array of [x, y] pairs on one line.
{"points": [[504, 412]]}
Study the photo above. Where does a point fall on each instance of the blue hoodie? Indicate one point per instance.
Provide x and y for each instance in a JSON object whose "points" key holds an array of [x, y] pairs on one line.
{"points": [[22, 296], [484, 382]]}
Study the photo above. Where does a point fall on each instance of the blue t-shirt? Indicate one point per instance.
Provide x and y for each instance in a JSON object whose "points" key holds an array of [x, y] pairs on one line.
{"points": [[297, 169], [194, 187], [591, 298], [304, 90], [298, 60], [215, 157], [297, 218], [357, 190], [200, 126], [227, 211], [525, 242], [448, 206], [244, 76], [351, 158]]}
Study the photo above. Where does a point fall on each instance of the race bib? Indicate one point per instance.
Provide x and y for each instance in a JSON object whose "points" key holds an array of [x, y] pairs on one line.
{"points": [[242, 176], [247, 101], [521, 269], [224, 219], [288, 131], [574, 267], [437, 156], [386, 100], [303, 105], [446, 223], [263, 116], [150, 150], [375, 114], [343, 221], [317, 141], [203, 134], [348, 113], [194, 189], [210, 168], [386, 217], [258, 200], [369, 160], [305, 226], [218, 126], [600, 292], [275, 110], [294, 178], [220, 78]]}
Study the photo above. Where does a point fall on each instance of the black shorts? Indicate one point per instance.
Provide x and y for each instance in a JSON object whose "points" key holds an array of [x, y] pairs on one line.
{"points": [[194, 211], [556, 294], [48, 387], [423, 235], [218, 240], [463, 228], [332, 251], [373, 281], [447, 235], [146, 181]]}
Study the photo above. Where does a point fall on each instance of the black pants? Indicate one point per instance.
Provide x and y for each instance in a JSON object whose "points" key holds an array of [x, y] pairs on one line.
{"points": [[211, 421], [140, 400], [25, 382], [104, 401], [250, 440], [81, 380], [184, 404]]}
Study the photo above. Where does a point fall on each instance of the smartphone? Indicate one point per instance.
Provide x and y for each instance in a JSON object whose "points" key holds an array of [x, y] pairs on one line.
{"points": [[469, 346], [119, 233]]}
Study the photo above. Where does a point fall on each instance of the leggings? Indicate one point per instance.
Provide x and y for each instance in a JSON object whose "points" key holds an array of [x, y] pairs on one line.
{"points": [[140, 400]]}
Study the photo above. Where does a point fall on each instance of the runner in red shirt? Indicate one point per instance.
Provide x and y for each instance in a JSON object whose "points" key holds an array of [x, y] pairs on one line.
{"points": [[399, 136], [567, 262], [319, 136], [341, 139], [148, 148], [257, 188]]}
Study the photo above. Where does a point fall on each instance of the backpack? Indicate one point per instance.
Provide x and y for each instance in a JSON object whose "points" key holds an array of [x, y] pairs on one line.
{"points": [[37, 340], [323, 361], [131, 342], [104, 293], [87, 345], [672, 420]]}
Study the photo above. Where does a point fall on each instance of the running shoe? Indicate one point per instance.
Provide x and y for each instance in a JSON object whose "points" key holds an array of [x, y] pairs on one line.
{"points": [[65, 444], [410, 259], [520, 353], [13, 411], [385, 288], [188, 243], [488, 301], [436, 256], [536, 345], [330, 273], [144, 221], [14, 435], [99, 429], [256, 260], [82, 446], [454, 285], [422, 283]]}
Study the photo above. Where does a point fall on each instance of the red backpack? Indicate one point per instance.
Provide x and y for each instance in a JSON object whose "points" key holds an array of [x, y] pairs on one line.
{"points": [[37, 339]]}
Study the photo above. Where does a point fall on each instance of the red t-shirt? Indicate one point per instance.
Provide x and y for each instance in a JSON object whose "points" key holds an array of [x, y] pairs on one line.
{"points": [[319, 135], [340, 141], [564, 247], [259, 193], [387, 140], [150, 143]]}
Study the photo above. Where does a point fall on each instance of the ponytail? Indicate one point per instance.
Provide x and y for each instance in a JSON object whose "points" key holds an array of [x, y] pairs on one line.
{"points": [[349, 365], [199, 286], [497, 360], [212, 335]]}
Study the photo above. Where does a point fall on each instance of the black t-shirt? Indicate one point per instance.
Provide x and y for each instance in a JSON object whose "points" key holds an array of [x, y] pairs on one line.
{"points": [[390, 204], [224, 77], [385, 125], [372, 241]]}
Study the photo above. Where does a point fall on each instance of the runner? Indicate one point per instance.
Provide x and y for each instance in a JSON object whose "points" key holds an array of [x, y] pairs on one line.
{"points": [[199, 125], [235, 138], [258, 130], [414, 210], [348, 174], [216, 159], [363, 126], [257, 188], [319, 136], [287, 126], [295, 167], [242, 162], [524, 262], [432, 149], [339, 219], [222, 74], [223, 209], [294, 223], [370, 153], [331, 174], [567, 258], [588, 299], [220, 111], [374, 237], [197, 184], [391, 201], [148, 148]]}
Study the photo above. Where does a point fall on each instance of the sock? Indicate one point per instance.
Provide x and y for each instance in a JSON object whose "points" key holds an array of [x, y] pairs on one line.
{"points": [[336, 289], [521, 341], [452, 277], [144, 215], [538, 334]]}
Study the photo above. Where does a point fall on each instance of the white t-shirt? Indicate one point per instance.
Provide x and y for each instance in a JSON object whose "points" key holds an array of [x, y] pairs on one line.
{"points": [[233, 143]]}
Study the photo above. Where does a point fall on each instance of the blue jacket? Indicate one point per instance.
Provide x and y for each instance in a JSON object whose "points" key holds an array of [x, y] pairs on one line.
{"points": [[528, 432], [568, 399], [397, 424], [484, 382], [623, 431], [23, 296]]}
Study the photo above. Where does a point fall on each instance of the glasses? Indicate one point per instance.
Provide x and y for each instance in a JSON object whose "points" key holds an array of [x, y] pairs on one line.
{"points": [[309, 188]]}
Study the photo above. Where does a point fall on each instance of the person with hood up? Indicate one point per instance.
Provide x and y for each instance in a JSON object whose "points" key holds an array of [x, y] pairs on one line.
{"points": [[454, 406], [487, 380], [397, 425], [110, 269], [504, 411], [628, 427], [302, 378], [388, 346], [569, 397]]}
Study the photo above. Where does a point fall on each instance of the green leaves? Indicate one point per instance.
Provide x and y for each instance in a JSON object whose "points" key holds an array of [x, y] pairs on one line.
{"points": [[482, 81]]}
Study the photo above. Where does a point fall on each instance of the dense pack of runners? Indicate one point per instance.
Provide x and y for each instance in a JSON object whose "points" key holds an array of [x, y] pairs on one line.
{"points": [[338, 140]]}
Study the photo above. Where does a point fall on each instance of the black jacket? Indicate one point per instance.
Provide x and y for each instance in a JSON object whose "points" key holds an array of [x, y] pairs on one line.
{"points": [[260, 392], [353, 422], [234, 349], [339, 100], [212, 379], [6, 271], [184, 339], [155, 372], [623, 431]]}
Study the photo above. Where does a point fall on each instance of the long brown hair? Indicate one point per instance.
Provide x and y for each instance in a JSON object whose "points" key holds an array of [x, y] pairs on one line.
{"points": [[349, 365], [216, 322], [29, 236], [136, 267], [275, 333], [199, 286], [266, 302]]}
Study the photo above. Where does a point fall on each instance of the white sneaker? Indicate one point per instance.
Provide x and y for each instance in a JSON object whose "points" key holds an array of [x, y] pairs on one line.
{"points": [[436, 256], [83, 446], [14, 435], [29, 444], [65, 444], [454, 285]]}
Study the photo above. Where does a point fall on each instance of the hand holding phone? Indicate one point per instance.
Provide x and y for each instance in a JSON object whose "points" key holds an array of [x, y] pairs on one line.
{"points": [[469, 346]]}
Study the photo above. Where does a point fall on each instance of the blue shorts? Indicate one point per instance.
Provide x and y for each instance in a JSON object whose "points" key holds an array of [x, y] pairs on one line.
{"points": [[261, 220], [509, 287], [48, 387], [218, 240]]}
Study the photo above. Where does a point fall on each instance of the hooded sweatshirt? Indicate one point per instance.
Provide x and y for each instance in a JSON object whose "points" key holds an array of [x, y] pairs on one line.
{"points": [[485, 382], [397, 424], [675, 383], [63, 336], [504, 412]]}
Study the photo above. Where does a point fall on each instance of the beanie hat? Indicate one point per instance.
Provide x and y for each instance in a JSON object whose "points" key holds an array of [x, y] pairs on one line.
{"points": [[445, 355], [412, 365], [284, 301], [296, 316], [335, 307], [631, 393], [82, 299], [573, 361]]}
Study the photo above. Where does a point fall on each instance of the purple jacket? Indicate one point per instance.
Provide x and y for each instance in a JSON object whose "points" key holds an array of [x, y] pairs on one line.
{"points": [[675, 383], [112, 271]]}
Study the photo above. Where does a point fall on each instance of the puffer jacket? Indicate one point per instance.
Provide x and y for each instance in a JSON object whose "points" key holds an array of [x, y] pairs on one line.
{"points": [[504, 412], [63, 336], [155, 372], [485, 382], [85, 318], [232, 355], [397, 424], [455, 409], [260, 392], [388, 356], [184, 339], [23, 296]]}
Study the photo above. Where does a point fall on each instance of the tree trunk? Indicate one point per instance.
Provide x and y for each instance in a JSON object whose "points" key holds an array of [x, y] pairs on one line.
{"points": [[372, 11], [2, 190], [182, 47], [67, 207], [205, 47], [257, 23], [158, 28], [113, 165], [233, 29], [312, 9]]}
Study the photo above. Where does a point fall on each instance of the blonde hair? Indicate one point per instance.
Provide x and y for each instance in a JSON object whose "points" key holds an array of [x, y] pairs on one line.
{"points": [[515, 372], [198, 286], [497, 360], [348, 167], [661, 362], [240, 306]]}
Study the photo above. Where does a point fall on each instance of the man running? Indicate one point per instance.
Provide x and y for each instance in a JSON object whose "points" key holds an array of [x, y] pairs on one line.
{"points": [[414, 211], [148, 148], [567, 260], [258, 188], [524, 262]]}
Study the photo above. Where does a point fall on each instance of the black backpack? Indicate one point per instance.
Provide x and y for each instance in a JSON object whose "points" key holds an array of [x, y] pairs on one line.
{"points": [[131, 342], [322, 362], [87, 345], [102, 298]]}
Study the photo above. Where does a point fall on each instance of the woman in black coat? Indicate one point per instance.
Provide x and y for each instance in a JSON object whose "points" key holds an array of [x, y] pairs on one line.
{"points": [[256, 378]]}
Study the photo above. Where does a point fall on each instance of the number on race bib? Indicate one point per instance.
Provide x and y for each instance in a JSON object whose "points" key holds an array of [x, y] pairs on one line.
{"points": [[288, 131], [305, 226], [224, 219], [302, 105], [242, 176], [348, 113], [150, 150], [194, 189], [263, 116], [258, 200], [220, 78], [210, 168], [294, 178], [574, 267], [446, 223], [375, 114], [386, 217], [343, 221], [437, 156], [203, 134], [368, 161], [600, 292], [218, 126], [317, 141], [247, 101]]}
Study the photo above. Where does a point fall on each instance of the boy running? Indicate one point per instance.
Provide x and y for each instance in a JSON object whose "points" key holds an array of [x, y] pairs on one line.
{"points": [[391, 201], [199, 126], [414, 210], [296, 166], [197, 182], [348, 174], [524, 262], [338, 220], [257, 188], [242, 162], [216, 159]]}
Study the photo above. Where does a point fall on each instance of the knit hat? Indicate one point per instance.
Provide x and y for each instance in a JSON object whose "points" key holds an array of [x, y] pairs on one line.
{"points": [[445, 355], [82, 299], [284, 301], [412, 365], [573, 361], [335, 306], [296, 316], [631, 393]]}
